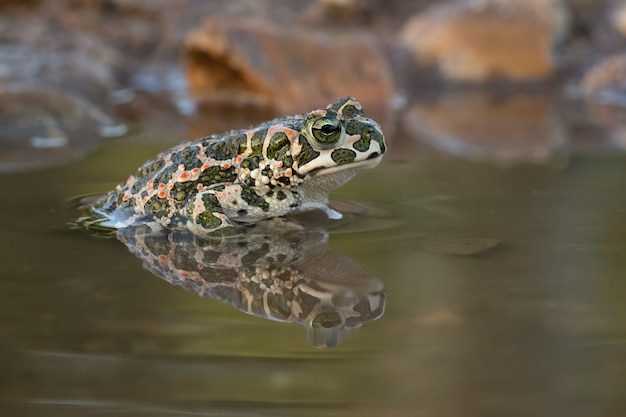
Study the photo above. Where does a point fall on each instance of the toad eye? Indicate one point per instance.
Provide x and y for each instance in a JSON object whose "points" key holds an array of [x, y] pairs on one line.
{"points": [[326, 130]]}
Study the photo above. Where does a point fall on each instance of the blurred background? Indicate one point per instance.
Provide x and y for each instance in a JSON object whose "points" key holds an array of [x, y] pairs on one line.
{"points": [[504, 81], [495, 222]]}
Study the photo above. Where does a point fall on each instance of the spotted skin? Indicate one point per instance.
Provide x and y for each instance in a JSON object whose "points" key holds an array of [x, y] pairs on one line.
{"points": [[283, 166]]}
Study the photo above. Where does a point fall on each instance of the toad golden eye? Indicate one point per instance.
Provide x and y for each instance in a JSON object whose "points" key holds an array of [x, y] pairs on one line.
{"points": [[326, 130]]}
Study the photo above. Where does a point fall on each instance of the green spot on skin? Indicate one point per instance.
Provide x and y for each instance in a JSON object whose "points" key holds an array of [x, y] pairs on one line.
{"points": [[280, 195], [378, 137], [351, 111], [187, 157], [149, 168], [287, 161], [222, 150], [343, 156], [241, 143], [156, 207], [156, 165], [210, 201], [367, 132], [166, 174], [362, 144], [208, 221], [354, 127], [307, 153], [257, 141], [279, 146], [216, 175], [253, 199], [251, 162], [267, 171], [184, 190], [338, 104]]}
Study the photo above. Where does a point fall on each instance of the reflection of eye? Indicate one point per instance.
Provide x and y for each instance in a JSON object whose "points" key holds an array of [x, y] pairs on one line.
{"points": [[327, 320], [326, 130]]}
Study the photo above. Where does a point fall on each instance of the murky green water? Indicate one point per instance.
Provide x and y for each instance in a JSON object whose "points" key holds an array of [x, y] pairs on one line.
{"points": [[534, 326]]}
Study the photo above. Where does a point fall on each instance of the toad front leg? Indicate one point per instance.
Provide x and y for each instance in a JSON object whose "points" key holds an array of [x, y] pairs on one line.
{"points": [[222, 206]]}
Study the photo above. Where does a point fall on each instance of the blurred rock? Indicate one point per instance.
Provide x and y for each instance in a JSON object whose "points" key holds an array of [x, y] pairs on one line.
{"points": [[13, 4], [123, 35], [346, 12], [477, 40], [607, 116], [70, 71], [593, 33], [596, 133], [212, 118], [248, 62], [40, 129], [606, 80], [105, 52], [511, 130], [602, 109], [344, 6], [619, 18]]}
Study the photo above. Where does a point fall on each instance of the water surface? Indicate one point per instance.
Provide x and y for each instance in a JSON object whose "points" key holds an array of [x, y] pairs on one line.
{"points": [[504, 296]]}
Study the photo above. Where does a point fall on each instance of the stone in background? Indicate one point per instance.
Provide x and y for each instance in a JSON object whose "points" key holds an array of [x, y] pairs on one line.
{"points": [[477, 40]]}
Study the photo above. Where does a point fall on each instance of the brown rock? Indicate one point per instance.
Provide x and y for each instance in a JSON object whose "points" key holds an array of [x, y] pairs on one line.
{"points": [[619, 18], [603, 90], [345, 12], [476, 126], [247, 61], [8, 4], [606, 80], [40, 129], [473, 40]]}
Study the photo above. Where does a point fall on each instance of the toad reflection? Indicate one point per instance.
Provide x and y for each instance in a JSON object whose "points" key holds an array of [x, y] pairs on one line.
{"points": [[282, 275]]}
